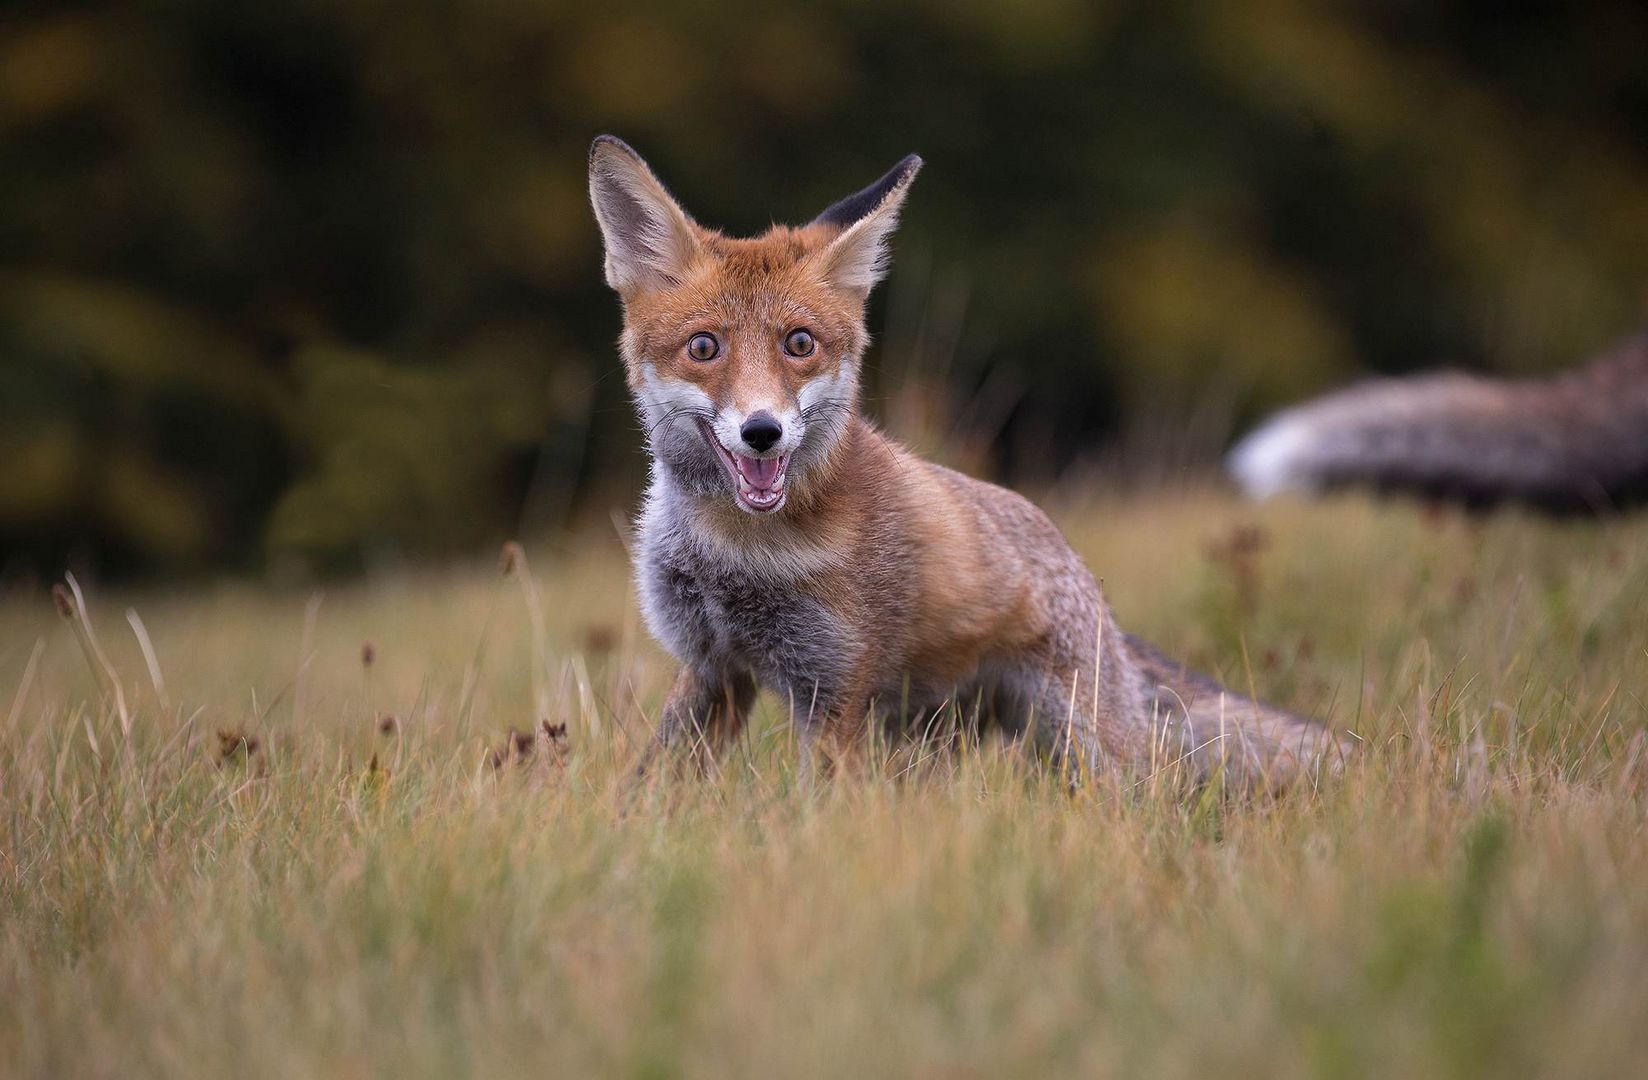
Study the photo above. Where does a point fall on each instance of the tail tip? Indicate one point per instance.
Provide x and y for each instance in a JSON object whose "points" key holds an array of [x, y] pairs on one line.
{"points": [[1273, 459]]}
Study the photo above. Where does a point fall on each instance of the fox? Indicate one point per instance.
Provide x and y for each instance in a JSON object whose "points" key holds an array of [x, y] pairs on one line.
{"points": [[1575, 442], [784, 542]]}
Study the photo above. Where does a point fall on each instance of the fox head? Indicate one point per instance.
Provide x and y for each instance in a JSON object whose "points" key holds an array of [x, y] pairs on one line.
{"points": [[743, 355]]}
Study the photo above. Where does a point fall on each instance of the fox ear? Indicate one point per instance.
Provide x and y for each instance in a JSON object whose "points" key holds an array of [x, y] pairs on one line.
{"points": [[649, 238], [858, 257]]}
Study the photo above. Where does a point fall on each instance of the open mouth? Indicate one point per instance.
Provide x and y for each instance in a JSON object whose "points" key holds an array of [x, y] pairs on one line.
{"points": [[760, 481]]}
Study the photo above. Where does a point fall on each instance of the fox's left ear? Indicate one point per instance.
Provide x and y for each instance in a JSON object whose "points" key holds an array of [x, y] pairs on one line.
{"points": [[858, 257]]}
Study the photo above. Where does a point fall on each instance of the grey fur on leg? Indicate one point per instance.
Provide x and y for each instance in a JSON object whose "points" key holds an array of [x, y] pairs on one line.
{"points": [[702, 714]]}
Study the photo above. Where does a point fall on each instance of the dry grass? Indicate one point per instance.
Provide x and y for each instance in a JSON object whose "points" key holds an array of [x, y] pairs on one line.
{"points": [[297, 862]]}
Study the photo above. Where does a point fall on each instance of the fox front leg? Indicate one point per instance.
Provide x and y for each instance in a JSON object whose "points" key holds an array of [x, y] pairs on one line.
{"points": [[835, 735], [702, 714]]}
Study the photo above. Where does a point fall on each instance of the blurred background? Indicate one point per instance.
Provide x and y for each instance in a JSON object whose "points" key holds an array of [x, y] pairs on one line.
{"points": [[307, 284]]}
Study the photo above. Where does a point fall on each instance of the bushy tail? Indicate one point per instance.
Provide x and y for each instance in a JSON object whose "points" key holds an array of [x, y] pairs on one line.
{"points": [[1577, 441], [1252, 744]]}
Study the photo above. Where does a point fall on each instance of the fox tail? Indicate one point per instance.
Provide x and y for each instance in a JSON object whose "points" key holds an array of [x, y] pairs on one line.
{"points": [[1575, 442], [1248, 742]]}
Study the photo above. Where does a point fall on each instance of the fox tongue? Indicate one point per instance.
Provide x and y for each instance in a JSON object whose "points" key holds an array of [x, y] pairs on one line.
{"points": [[757, 472]]}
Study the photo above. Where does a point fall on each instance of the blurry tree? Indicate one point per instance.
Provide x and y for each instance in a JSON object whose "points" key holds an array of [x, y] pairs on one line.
{"points": [[316, 277]]}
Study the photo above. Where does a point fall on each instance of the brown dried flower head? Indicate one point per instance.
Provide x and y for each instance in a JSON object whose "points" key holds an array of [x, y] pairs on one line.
{"points": [[510, 557], [523, 742], [600, 639], [231, 742], [519, 745]]}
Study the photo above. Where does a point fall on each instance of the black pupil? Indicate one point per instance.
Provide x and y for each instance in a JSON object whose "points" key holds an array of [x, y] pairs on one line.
{"points": [[702, 346], [800, 341]]}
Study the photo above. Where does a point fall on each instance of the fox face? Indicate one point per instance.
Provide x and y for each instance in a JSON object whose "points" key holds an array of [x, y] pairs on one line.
{"points": [[742, 355]]}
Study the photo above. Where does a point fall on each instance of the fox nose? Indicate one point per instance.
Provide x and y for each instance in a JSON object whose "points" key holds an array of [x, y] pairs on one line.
{"points": [[760, 431]]}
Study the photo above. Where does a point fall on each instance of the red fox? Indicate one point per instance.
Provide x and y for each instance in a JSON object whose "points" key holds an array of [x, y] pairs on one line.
{"points": [[786, 543], [1572, 442]]}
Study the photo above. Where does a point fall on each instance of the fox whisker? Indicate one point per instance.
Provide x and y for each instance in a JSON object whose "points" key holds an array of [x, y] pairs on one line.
{"points": [[821, 409], [679, 410]]}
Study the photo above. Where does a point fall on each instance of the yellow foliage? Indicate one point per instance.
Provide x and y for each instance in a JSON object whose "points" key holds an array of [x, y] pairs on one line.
{"points": [[1198, 310]]}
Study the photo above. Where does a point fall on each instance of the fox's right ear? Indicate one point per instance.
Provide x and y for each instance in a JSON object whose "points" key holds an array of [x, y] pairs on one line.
{"points": [[649, 239]]}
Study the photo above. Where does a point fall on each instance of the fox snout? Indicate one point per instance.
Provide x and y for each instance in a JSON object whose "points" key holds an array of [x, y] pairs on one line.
{"points": [[760, 431], [755, 452]]}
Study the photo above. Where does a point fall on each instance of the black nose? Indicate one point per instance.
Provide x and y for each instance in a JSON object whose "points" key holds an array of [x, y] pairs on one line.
{"points": [[760, 431]]}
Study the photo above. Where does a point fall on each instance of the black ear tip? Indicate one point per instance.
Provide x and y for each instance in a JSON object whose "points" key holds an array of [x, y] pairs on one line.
{"points": [[854, 207], [610, 142]]}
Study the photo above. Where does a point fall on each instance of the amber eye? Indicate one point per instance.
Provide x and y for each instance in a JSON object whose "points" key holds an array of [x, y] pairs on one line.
{"points": [[799, 343], [703, 347]]}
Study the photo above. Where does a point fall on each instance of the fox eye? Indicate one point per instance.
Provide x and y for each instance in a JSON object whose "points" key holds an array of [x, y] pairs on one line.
{"points": [[799, 343], [703, 347]]}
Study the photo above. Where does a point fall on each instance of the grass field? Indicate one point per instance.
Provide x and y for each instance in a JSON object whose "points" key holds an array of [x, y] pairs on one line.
{"points": [[268, 856]]}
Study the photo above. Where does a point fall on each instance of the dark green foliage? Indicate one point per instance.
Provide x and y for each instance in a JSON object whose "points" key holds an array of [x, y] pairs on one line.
{"points": [[318, 279]]}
